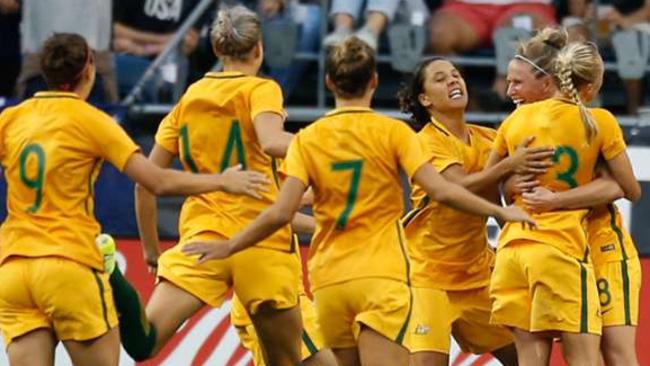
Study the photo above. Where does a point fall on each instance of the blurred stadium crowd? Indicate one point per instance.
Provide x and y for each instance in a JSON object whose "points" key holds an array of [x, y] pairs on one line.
{"points": [[128, 35]]}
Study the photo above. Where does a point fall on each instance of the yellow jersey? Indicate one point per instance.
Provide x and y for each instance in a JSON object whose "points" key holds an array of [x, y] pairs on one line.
{"points": [[52, 147], [449, 248], [557, 123], [210, 129], [608, 239], [351, 158]]}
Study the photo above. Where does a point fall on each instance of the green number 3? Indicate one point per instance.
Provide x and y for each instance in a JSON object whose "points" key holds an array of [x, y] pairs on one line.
{"points": [[568, 175], [355, 166], [35, 183]]}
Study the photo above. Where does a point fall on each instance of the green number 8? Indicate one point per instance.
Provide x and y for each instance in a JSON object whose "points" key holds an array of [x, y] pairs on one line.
{"points": [[603, 292], [568, 175], [35, 183]]}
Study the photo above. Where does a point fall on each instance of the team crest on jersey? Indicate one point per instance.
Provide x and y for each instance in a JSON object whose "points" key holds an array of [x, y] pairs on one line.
{"points": [[607, 248], [422, 329]]}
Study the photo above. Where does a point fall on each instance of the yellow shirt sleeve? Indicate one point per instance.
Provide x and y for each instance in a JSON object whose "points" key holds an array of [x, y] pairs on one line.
{"points": [[294, 164], [613, 141], [407, 147], [266, 97], [439, 152], [112, 142], [167, 134], [500, 145]]}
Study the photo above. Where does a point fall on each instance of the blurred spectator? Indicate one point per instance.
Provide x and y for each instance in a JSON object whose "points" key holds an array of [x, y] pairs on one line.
{"points": [[10, 50], [141, 31], [307, 15], [88, 18], [378, 14], [632, 17], [461, 26]]}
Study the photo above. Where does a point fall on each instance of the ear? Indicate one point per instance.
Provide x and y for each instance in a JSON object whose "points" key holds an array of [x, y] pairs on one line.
{"points": [[258, 50], [329, 84], [374, 81], [424, 100]]}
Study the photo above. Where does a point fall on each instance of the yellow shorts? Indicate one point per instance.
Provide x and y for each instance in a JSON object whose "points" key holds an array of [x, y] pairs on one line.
{"points": [[383, 305], [312, 339], [73, 300], [619, 285], [537, 287], [438, 314], [257, 275]]}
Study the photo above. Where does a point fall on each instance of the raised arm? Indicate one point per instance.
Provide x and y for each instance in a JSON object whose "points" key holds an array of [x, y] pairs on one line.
{"points": [[441, 190], [526, 160], [600, 191]]}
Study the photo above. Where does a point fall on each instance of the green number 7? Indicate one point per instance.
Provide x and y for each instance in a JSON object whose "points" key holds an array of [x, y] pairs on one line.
{"points": [[35, 183], [355, 166]]}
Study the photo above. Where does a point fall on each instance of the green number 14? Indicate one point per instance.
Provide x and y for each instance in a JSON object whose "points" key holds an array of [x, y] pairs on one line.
{"points": [[355, 166], [35, 183]]}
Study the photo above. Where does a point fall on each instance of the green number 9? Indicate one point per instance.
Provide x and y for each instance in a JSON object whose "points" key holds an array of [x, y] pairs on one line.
{"points": [[35, 183]]}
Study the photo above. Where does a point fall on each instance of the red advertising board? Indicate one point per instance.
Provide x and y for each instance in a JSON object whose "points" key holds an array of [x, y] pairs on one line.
{"points": [[208, 339]]}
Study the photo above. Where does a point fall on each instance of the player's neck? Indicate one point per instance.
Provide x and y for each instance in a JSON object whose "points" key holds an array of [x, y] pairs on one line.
{"points": [[454, 121], [244, 68], [363, 101]]}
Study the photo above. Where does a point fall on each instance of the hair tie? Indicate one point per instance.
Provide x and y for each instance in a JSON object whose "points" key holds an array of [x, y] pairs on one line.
{"points": [[531, 63]]}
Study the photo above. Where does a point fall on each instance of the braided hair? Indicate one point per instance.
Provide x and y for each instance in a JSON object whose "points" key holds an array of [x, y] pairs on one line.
{"points": [[577, 65]]}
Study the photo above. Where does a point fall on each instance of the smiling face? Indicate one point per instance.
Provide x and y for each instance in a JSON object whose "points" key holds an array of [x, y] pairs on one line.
{"points": [[443, 87], [525, 86]]}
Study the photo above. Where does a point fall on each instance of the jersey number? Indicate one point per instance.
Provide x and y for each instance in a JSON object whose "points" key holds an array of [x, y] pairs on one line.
{"points": [[603, 292], [235, 142], [355, 166], [568, 175], [35, 182]]}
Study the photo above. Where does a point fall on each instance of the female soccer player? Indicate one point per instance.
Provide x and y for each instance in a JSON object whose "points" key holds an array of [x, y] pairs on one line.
{"points": [[229, 117], [615, 258], [52, 146], [523, 287], [358, 263], [450, 253]]}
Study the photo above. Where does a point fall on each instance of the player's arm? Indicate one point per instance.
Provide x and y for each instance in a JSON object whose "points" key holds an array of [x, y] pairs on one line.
{"points": [[269, 221], [441, 190], [163, 182], [621, 169], [303, 224], [600, 191], [146, 211], [526, 160], [269, 128]]}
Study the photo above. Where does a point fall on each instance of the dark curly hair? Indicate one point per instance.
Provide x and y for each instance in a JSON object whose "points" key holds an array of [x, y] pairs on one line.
{"points": [[409, 92]]}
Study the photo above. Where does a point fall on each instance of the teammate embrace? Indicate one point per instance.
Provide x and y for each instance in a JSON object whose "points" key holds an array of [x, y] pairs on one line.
{"points": [[388, 290]]}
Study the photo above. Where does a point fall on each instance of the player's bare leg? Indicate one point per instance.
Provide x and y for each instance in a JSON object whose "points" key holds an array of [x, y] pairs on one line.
{"points": [[279, 333], [533, 349], [101, 351], [21, 349], [618, 345], [429, 359]]}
